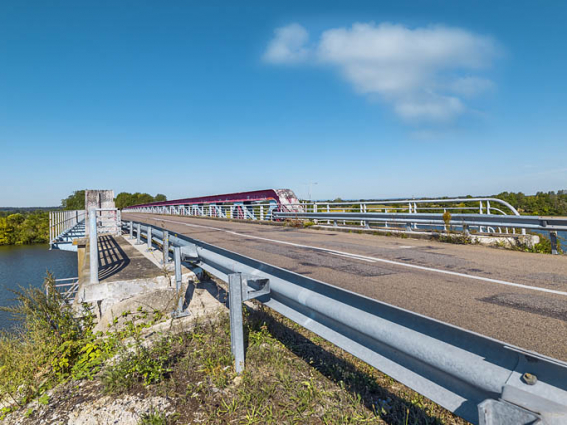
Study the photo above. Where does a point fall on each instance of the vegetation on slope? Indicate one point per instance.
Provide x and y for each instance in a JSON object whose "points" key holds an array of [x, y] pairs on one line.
{"points": [[291, 375], [24, 228]]}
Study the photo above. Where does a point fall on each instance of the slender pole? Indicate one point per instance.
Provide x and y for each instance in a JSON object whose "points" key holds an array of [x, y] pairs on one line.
{"points": [[177, 260], [93, 242], [138, 234], [165, 247], [236, 322], [554, 245], [149, 238]]}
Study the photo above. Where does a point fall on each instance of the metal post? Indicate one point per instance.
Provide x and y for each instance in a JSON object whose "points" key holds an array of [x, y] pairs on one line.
{"points": [[93, 248], [178, 281], [131, 230], [236, 322], [149, 234], [554, 245], [138, 234], [165, 247]]}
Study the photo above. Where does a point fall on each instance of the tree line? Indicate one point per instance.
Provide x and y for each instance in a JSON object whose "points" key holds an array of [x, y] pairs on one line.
{"points": [[542, 203], [76, 201], [26, 226], [21, 226]]}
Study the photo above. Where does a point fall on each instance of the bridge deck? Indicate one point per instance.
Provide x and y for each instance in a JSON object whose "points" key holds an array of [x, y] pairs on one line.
{"points": [[499, 293], [120, 261]]}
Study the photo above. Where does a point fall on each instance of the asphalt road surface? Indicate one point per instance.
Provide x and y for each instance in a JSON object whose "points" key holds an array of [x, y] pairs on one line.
{"points": [[516, 297]]}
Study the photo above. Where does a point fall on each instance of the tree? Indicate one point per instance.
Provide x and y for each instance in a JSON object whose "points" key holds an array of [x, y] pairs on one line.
{"points": [[76, 201], [125, 199]]}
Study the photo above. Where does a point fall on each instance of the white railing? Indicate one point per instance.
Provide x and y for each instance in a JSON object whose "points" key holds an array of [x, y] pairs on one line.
{"points": [[67, 288], [62, 222], [265, 211]]}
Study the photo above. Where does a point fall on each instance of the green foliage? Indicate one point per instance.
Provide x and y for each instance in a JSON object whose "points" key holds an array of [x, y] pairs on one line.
{"points": [[24, 228], [447, 219], [50, 345], [542, 203], [76, 201], [154, 418], [141, 366], [125, 199]]}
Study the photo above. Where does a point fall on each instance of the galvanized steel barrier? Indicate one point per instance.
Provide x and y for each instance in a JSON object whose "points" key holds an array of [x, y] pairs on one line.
{"points": [[481, 379], [261, 211], [63, 225]]}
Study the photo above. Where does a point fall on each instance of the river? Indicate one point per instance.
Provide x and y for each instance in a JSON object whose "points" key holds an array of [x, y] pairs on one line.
{"points": [[26, 265]]}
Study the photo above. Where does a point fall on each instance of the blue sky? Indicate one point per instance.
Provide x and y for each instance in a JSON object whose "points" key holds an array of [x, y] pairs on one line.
{"points": [[368, 99]]}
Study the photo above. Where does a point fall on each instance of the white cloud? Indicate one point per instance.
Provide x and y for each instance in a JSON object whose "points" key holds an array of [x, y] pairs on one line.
{"points": [[288, 45], [423, 73], [470, 86]]}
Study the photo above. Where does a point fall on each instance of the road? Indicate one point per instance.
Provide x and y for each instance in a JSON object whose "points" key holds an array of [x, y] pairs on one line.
{"points": [[516, 297]]}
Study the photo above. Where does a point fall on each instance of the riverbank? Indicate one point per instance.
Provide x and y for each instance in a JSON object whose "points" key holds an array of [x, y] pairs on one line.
{"points": [[148, 369], [24, 228], [26, 265]]}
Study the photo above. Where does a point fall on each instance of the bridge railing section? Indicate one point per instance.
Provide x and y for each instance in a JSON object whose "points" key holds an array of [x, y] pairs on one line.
{"points": [[109, 220], [67, 288], [481, 379], [62, 222], [269, 211]]}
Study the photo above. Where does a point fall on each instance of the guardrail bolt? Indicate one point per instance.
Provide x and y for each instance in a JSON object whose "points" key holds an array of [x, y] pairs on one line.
{"points": [[529, 379]]}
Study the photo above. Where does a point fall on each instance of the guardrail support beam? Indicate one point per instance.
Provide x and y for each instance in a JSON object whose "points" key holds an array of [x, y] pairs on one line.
{"points": [[236, 321], [178, 281], [165, 248], [93, 247], [554, 244], [149, 235]]}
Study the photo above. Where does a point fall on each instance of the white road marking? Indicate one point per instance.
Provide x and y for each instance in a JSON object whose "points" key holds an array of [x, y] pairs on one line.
{"points": [[353, 256], [376, 259]]}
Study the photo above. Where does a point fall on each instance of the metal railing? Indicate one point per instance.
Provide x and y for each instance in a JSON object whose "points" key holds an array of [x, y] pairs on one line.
{"points": [[63, 223], [481, 379], [67, 288], [484, 215], [266, 211]]}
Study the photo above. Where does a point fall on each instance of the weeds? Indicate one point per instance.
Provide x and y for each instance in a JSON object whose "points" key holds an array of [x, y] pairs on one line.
{"points": [[49, 346], [154, 418]]}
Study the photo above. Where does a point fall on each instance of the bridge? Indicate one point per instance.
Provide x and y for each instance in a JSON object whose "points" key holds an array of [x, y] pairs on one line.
{"points": [[480, 331]]}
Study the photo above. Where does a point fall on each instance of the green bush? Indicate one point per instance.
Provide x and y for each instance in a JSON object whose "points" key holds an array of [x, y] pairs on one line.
{"points": [[50, 344], [141, 366]]}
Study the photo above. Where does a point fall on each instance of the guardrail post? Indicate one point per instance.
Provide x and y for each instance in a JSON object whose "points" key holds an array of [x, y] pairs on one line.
{"points": [[236, 321], [554, 245], [131, 230], [138, 234], [93, 247], [165, 247], [149, 234], [178, 281]]}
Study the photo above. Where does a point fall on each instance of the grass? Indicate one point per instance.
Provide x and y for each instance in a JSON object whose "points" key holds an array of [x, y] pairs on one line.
{"points": [[291, 376]]}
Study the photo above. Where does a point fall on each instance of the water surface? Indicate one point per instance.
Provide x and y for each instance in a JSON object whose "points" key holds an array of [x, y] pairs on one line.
{"points": [[27, 265]]}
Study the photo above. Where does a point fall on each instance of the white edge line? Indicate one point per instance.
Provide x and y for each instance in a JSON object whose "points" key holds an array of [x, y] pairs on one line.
{"points": [[375, 259]]}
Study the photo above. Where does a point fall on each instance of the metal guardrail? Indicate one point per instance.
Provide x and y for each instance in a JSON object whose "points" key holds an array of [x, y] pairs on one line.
{"points": [[481, 379], [67, 288], [65, 225], [462, 221], [267, 211]]}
